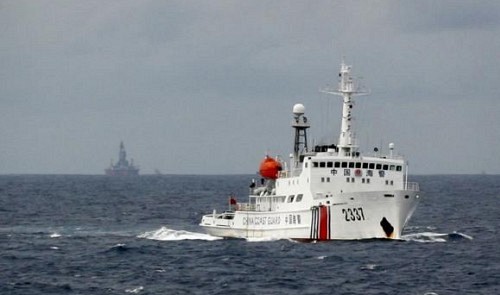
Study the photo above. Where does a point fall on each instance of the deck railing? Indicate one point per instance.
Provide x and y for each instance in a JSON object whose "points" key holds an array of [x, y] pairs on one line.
{"points": [[246, 207], [412, 186]]}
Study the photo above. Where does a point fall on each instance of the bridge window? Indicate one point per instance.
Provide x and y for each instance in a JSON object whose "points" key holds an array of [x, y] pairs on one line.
{"points": [[386, 167], [365, 165], [372, 166], [358, 164], [299, 198], [290, 198], [398, 168], [315, 164], [379, 166], [337, 164], [392, 167], [344, 164], [329, 164], [351, 164], [322, 164]]}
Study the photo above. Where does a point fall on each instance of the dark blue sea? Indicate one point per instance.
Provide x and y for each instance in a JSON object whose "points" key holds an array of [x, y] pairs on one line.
{"points": [[63, 234]]}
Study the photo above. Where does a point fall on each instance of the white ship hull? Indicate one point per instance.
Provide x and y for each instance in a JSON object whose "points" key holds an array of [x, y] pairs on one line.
{"points": [[361, 215]]}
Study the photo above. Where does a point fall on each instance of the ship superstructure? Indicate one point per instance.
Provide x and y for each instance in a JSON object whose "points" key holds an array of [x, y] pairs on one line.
{"points": [[329, 192], [122, 167]]}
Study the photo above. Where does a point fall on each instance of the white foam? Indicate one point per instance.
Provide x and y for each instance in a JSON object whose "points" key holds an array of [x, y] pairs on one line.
{"points": [[265, 239], [166, 234], [135, 290], [432, 237], [55, 235], [425, 237], [463, 235], [369, 266]]}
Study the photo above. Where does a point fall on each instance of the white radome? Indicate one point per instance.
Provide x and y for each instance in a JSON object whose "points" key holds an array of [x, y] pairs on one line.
{"points": [[299, 109]]}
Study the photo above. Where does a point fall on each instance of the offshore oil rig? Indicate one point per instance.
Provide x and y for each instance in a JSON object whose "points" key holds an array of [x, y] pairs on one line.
{"points": [[123, 167]]}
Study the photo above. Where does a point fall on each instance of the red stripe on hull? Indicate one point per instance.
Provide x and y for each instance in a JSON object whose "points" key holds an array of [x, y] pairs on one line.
{"points": [[323, 223]]}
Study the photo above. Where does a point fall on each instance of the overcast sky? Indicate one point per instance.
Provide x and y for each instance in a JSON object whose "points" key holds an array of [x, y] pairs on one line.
{"points": [[207, 87]]}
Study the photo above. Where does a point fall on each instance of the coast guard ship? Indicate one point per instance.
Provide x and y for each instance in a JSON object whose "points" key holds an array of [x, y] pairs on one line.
{"points": [[325, 193]]}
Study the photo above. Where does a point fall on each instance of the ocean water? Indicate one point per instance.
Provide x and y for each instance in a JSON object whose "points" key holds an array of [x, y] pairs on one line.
{"points": [[98, 235]]}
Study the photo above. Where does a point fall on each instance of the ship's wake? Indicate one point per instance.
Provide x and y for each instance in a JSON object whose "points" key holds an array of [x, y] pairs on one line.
{"points": [[167, 234], [266, 239], [432, 237]]}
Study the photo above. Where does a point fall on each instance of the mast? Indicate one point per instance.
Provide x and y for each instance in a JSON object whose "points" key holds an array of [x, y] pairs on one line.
{"points": [[122, 155], [300, 125], [347, 89]]}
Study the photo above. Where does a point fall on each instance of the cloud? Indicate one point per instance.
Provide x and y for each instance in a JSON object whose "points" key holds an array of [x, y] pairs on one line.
{"points": [[187, 82], [437, 16]]}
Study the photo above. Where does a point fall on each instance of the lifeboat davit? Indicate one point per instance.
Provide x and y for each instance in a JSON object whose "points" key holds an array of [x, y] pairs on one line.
{"points": [[269, 168]]}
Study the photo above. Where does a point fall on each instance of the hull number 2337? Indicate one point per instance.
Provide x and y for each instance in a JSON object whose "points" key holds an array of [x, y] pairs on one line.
{"points": [[353, 214]]}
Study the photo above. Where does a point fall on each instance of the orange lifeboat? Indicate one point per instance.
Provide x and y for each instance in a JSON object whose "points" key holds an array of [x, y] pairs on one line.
{"points": [[269, 168]]}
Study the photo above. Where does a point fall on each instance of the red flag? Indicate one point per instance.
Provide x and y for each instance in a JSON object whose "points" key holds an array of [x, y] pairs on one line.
{"points": [[232, 201]]}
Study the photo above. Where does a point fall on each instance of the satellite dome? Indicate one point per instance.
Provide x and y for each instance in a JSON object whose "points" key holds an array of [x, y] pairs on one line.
{"points": [[299, 109]]}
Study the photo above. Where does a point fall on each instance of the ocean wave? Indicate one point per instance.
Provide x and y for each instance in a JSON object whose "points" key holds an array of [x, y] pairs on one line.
{"points": [[167, 234], [265, 239], [55, 235], [370, 266], [432, 237], [118, 248], [134, 290]]}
